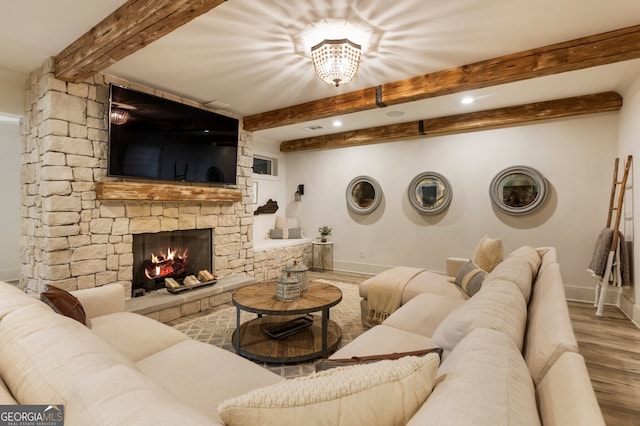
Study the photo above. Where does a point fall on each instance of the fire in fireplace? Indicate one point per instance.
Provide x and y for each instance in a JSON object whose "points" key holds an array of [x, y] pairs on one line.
{"points": [[170, 264], [172, 254]]}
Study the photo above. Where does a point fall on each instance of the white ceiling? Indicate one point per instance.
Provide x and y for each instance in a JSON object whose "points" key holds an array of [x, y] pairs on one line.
{"points": [[250, 54]]}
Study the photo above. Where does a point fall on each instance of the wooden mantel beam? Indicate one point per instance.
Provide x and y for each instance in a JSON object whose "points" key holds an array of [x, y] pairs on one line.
{"points": [[599, 49], [474, 121], [131, 27]]}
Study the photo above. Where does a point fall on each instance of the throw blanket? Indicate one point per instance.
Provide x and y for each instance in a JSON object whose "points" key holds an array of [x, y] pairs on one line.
{"points": [[601, 255], [384, 295]]}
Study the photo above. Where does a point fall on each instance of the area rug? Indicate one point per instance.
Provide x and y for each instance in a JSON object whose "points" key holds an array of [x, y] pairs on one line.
{"points": [[217, 327]]}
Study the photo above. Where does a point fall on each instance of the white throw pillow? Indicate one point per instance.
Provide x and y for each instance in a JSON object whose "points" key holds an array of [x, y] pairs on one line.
{"points": [[286, 222], [488, 253], [340, 396]]}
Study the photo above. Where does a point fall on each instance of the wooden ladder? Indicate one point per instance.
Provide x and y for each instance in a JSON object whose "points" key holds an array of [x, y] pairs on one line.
{"points": [[616, 202]]}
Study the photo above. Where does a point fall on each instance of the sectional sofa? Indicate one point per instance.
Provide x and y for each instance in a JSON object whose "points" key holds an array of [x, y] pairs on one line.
{"points": [[502, 363], [510, 353]]}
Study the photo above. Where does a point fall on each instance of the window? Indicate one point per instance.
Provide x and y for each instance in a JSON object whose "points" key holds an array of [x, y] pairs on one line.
{"points": [[265, 166]]}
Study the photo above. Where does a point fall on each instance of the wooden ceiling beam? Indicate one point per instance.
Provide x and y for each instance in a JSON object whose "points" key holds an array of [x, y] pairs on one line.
{"points": [[600, 49], [474, 121], [134, 25]]}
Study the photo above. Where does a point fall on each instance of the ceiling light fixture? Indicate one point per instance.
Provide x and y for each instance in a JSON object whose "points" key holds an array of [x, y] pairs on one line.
{"points": [[119, 116], [336, 61]]}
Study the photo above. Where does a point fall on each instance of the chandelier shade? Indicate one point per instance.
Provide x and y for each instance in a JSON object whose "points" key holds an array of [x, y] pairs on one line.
{"points": [[336, 61]]}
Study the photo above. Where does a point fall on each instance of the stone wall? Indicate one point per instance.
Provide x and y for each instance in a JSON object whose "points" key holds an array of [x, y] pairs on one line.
{"points": [[268, 264], [73, 240]]}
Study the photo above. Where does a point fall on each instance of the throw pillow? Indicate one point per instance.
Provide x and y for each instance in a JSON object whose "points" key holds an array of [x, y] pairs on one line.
{"points": [[64, 303], [339, 396], [295, 233], [325, 364], [470, 278], [286, 222], [276, 234], [488, 253]]}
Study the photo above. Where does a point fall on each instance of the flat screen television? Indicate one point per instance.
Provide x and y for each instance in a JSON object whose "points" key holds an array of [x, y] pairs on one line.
{"points": [[156, 138]]}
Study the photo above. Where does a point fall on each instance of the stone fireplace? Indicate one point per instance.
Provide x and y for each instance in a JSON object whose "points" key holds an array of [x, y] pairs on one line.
{"points": [[77, 232], [171, 254]]}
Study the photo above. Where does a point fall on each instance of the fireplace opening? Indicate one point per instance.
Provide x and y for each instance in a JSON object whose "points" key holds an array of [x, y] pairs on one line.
{"points": [[171, 255]]}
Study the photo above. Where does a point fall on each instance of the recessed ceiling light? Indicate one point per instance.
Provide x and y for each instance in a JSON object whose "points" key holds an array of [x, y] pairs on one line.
{"points": [[467, 100], [395, 114], [337, 123]]}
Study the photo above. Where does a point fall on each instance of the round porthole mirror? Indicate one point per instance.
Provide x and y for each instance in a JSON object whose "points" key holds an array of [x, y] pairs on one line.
{"points": [[430, 193], [518, 190], [363, 195]]}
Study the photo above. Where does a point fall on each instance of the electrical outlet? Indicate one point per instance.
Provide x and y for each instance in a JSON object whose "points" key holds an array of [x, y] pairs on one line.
{"points": [[362, 254]]}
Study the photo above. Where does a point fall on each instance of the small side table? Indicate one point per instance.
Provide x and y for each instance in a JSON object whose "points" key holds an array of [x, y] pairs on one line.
{"points": [[322, 256]]}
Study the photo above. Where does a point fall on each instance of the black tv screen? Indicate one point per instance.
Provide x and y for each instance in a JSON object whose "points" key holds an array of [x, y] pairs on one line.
{"points": [[156, 138]]}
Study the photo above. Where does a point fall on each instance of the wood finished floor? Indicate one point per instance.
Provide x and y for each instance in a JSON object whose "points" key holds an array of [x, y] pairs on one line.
{"points": [[611, 348]]}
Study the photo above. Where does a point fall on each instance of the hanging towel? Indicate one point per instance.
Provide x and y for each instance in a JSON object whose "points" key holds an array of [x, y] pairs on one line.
{"points": [[601, 254]]}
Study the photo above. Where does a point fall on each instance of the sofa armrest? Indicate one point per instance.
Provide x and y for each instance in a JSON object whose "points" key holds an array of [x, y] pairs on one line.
{"points": [[454, 264], [103, 300], [565, 394]]}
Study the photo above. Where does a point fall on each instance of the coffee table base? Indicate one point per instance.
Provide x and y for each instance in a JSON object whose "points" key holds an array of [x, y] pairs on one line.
{"points": [[304, 345]]}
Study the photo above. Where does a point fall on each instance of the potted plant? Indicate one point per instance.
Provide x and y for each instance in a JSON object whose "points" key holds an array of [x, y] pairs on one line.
{"points": [[324, 231]]}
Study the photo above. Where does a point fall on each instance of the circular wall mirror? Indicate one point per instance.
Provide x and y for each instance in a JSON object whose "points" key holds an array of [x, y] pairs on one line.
{"points": [[363, 195], [430, 193], [518, 190]]}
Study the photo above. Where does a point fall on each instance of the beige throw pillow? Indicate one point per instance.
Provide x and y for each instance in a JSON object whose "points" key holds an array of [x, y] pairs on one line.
{"points": [[360, 394], [488, 253]]}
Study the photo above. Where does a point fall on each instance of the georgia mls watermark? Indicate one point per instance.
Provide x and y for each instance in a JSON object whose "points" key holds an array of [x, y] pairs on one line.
{"points": [[31, 415]]}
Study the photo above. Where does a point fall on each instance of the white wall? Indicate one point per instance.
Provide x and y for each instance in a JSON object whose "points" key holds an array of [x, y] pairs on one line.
{"points": [[630, 145], [575, 155], [9, 214], [270, 187], [12, 86]]}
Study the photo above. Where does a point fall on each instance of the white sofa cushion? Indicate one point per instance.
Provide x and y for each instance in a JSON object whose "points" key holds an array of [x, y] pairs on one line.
{"points": [[499, 305], [383, 339], [549, 329], [423, 314], [483, 382], [515, 269], [565, 394], [529, 254], [12, 298], [432, 282], [98, 301], [213, 374], [43, 353], [119, 395], [135, 336], [5, 396], [340, 396]]}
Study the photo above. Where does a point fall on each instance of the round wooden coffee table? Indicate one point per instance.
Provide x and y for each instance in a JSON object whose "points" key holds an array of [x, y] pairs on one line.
{"points": [[319, 338]]}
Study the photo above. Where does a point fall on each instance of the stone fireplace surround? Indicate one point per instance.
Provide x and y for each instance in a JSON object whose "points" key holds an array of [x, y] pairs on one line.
{"points": [[74, 239]]}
